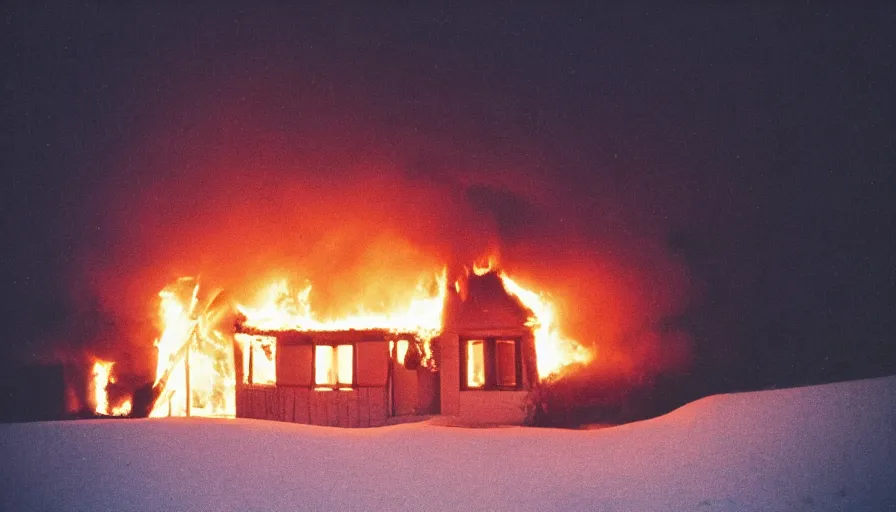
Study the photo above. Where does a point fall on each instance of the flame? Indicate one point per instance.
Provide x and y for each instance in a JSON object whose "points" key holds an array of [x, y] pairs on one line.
{"points": [[553, 351], [282, 309], [101, 372], [102, 376], [194, 373], [264, 358], [485, 265], [122, 410]]}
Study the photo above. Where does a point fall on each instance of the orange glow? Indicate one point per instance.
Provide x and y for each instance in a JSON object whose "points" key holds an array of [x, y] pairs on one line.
{"points": [[553, 351], [101, 378], [101, 372], [280, 309], [401, 350], [485, 265], [345, 364], [192, 345], [475, 364], [122, 410], [324, 369], [196, 343], [259, 358], [334, 366]]}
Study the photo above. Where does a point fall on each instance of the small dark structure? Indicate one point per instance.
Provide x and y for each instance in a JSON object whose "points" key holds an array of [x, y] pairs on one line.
{"points": [[32, 392]]}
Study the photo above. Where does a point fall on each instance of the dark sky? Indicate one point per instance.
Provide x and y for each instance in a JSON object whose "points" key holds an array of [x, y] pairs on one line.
{"points": [[752, 147]]}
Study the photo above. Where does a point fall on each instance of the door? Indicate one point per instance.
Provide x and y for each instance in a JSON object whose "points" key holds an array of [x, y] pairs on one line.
{"points": [[404, 381]]}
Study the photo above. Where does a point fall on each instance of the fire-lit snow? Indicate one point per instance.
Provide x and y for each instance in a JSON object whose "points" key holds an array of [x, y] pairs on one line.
{"points": [[824, 448]]}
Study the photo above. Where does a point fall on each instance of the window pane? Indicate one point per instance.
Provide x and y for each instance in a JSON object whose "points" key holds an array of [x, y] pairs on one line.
{"points": [[324, 369], [505, 363], [344, 358], [263, 358], [475, 364], [401, 350], [245, 342]]}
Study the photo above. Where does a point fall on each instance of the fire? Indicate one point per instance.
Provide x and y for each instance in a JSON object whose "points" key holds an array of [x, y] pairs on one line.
{"points": [[195, 369], [122, 410], [485, 265], [102, 377], [281, 309], [101, 372], [553, 351], [194, 373]]}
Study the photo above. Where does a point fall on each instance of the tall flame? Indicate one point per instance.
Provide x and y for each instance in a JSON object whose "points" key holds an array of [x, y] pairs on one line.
{"points": [[101, 372], [194, 373], [553, 351], [101, 378]]}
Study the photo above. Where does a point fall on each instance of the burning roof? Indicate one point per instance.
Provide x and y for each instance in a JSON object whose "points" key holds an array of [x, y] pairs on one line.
{"points": [[195, 347]]}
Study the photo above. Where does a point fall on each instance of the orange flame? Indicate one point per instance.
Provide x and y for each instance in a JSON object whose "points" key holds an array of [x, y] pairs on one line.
{"points": [[102, 377], [195, 363], [101, 371], [485, 265], [553, 351], [195, 355], [122, 410], [280, 309]]}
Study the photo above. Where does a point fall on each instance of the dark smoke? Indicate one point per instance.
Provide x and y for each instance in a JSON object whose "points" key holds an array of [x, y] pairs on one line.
{"points": [[238, 203]]}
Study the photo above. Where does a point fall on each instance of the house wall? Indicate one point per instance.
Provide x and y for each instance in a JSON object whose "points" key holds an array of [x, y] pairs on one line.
{"points": [[428, 399], [484, 406], [493, 407], [488, 312], [449, 373], [360, 407], [294, 398]]}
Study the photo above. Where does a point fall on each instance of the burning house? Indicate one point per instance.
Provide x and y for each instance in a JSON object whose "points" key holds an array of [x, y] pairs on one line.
{"points": [[471, 350]]}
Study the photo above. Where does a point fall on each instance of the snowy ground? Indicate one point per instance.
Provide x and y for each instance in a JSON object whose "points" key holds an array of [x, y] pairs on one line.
{"points": [[828, 447]]}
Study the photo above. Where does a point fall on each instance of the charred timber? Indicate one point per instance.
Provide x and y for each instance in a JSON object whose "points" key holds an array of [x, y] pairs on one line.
{"points": [[297, 337]]}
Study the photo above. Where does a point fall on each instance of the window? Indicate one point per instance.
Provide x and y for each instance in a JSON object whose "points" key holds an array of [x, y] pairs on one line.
{"points": [[505, 363], [334, 366], [491, 363], [259, 359], [475, 363], [399, 350]]}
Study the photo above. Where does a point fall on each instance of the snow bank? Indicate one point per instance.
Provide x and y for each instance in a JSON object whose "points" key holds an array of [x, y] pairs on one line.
{"points": [[819, 448]]}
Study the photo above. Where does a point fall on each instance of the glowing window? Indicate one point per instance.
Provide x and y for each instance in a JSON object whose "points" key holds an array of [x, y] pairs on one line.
{"points": [[475, 363], [334, 366], [259, 359], [401, 350], [491, 364]]}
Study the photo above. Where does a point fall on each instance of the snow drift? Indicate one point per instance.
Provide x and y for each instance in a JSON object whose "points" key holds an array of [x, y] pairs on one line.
{"points": [[827, 447]]}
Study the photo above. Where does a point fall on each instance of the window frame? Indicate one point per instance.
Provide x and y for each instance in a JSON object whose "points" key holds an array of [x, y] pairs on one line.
{"points": [[337, 386], [491, 363], [249, 361]]}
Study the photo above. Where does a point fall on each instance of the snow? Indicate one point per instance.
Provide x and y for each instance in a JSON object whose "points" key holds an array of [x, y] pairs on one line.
{"points": [[827, 447]]}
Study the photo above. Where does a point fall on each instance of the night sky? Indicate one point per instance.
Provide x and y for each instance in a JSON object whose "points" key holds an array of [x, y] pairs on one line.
{"points": [[738, 162]]}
